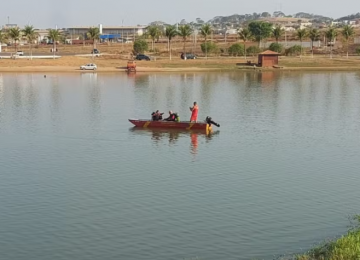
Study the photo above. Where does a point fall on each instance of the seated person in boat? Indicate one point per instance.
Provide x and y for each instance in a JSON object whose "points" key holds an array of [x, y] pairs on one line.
{"points": [[171, 117], [156, 116]]}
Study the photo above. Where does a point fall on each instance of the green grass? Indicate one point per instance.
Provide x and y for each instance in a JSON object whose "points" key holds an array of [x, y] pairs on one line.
{"points": [[345, 248]]}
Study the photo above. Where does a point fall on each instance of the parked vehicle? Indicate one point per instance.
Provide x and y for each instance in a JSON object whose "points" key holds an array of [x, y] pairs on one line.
{"points": [[20, 53], [90, 66], [188, 56], [95, 51], [142, 57]]}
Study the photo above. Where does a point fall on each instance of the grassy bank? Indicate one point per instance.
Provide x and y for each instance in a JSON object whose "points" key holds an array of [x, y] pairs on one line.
{"points": [[113, 63], [345, 248]]}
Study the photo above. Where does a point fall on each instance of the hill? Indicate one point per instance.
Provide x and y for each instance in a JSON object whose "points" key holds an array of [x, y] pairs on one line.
{"points": [[349, 17]]}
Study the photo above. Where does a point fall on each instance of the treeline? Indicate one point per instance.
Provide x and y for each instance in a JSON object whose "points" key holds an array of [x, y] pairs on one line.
{"points": [[256, 31]]}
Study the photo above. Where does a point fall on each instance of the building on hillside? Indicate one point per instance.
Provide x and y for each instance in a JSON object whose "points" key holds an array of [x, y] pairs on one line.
{"points": [[231, 31], [304, 25], [288, 27], [268, 59], [111, 32], [284, 20]]}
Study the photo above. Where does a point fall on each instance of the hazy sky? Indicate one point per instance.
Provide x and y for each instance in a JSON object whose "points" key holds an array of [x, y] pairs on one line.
{"points": [[66, 13]]}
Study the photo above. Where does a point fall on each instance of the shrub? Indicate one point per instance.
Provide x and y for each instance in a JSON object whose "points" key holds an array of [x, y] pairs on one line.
{"points": [[276, 47], [294, 50], [209, 47], [253, 50], [358, 51], [346, 247], [236, 49], [140, 46]]}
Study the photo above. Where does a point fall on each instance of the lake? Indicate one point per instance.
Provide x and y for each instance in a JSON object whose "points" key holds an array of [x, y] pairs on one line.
{"points": [[78, 182]]}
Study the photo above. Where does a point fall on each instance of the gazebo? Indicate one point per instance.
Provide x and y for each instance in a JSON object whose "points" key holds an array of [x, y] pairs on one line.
{"points": [[268, 59]]}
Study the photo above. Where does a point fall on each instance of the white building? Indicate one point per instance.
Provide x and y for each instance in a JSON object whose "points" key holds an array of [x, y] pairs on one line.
{"points": [[123, 31], [305, 25]]}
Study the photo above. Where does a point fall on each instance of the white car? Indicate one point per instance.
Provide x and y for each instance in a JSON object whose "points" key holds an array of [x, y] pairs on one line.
{"points": [[20, 53], [90, 66]]}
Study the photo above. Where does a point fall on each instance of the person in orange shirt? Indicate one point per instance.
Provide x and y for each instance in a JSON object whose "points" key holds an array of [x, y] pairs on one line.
{"points": [[194, 112]]}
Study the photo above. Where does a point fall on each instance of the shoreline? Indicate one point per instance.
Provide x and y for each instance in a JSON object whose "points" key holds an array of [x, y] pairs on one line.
{"points": [[112, 64], [61, 69]]}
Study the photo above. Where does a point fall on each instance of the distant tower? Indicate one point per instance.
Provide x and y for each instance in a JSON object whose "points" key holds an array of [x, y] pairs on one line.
{"points": [[100, 28]]}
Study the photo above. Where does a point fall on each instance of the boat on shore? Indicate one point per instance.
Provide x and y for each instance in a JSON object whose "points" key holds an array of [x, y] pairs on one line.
{"points": [[185, 125]]}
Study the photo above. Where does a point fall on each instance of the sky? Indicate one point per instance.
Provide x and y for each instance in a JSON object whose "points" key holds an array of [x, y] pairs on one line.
{"points": [[67, 13]]}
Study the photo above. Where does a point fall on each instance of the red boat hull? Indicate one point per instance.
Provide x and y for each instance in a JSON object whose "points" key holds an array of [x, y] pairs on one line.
{"points": [[172, 125]]}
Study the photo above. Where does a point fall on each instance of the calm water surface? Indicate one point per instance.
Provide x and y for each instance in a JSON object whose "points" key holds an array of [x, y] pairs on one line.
{"points": [[77, 182]]}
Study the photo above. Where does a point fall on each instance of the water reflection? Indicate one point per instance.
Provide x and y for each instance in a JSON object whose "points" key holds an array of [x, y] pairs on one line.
{"points": [[90, 80], [173, 136]]}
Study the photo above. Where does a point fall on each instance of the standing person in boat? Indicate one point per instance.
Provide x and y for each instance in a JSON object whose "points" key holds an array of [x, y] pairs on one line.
{"points": [[194, 112], [171, 117]]}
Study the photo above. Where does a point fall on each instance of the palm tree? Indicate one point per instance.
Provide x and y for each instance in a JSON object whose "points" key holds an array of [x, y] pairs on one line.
{"points": [[15, 35], [205, 31], [245, 35], [301, 34], [348, 33], [330, 35], [154, 33], [93, 34], [54, 36], [314, 35], [30, 34], [277, 32], [184, 32], [2, 38], [170, 32]]}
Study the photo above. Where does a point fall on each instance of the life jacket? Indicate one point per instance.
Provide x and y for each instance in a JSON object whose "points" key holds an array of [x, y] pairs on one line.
{"points": [[177, 118]]}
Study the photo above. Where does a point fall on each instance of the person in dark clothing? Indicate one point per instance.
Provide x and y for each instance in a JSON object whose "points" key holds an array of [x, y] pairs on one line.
{"points": [[171, 117], [156, 116]]}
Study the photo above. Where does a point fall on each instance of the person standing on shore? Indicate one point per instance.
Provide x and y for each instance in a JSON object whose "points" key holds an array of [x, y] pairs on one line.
{"points": [[194, 112]]}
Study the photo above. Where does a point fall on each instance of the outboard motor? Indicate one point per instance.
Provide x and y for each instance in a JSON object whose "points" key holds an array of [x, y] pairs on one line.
{"points": [[210, 122]]}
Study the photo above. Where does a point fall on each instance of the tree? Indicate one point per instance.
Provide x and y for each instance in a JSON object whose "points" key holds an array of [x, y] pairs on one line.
{"points": [[236, 49], [357, 51], [253, 50], [301, 34], [205, 31], [184, 32], [209, 47], [314, 35], [94, 35], [296, 49], [140, 46], [30, 34], [245, 35], [154, 33], [330, 35], [2, 37], [348, 33], [277, 47], [277, 32], [170, 32], [261, 30], [15, 35], [54, 36]]}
